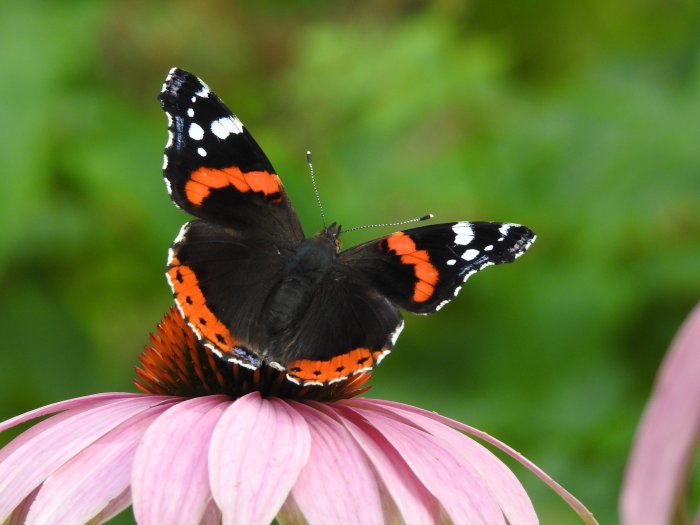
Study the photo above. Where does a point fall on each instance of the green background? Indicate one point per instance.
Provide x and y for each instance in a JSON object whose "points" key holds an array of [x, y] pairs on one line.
{"points": [[580, 120]]}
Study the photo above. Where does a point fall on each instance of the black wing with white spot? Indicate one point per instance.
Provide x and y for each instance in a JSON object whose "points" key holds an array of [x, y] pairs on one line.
{"points": [[215, 170], [422, 269]]}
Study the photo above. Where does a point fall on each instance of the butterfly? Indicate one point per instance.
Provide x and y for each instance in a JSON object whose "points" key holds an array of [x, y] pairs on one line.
{"points": [[257, 292]]}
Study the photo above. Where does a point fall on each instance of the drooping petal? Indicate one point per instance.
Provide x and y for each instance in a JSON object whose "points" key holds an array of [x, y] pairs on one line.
{"points": [[665, 440], [170, 482], [574, 503], [70, 404], [460, 490], [505, 487], [416, 505], [31, 460], [337, 484], [86, 484], [258, 449], [72, 407]]}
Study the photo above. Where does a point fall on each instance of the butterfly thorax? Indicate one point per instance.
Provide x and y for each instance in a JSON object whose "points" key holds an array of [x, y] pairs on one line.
{"points": [[309, 265], [313, 257]]}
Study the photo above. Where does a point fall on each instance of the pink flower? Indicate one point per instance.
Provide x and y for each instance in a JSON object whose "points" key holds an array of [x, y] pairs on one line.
{"points": [[247, 458], [655, 483]]}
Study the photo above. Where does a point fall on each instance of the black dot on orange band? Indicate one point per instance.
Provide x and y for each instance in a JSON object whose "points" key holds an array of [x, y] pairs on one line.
{"points": [[178, 276], [202, 321], [188, 300], [340, 369], [220, 338]]}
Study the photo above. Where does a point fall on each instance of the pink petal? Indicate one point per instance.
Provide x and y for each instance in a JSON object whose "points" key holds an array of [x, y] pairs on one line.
{"points": [[460, 491], [85, 485], [78, 402], [19, 515], [170, 482], [32, 460], [665, 441], [75, 406], [212, 516], [574, 503], [290, 514], [337, 484], [258, 449], [414, 502], [115, 506], [504, 486]]}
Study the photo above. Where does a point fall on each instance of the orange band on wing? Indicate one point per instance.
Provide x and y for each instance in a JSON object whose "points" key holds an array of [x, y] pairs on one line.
{"points": [[203, 180], [426, 273], [190, 299], [336, 368]]}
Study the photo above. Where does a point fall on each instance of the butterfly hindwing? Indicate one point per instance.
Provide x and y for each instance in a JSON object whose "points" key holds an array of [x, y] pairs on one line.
{"points": [[239, 299], [347, 327], [213, 167], [422, 269], [220, 281]]}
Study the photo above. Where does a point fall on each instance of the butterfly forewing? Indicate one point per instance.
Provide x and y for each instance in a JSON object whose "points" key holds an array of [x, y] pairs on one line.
{"points": [[422, 269], [213, 167]]}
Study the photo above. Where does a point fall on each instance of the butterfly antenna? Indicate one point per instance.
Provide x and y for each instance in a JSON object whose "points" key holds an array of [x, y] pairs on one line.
{"points": [[313, 182], [385, 224]]}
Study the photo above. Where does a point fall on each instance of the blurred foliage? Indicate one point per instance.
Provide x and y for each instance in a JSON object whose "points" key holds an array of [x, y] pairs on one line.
{"points": [[578, 119]]}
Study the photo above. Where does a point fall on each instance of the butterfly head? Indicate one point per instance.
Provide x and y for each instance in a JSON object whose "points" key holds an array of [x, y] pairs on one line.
{"points": [[331, 234]]}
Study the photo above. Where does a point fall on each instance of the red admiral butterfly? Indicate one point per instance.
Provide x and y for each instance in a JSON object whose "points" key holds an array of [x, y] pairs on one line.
{"points": [[257, 292]]}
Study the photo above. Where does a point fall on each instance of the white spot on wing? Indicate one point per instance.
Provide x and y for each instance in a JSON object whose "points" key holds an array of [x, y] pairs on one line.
{"points": [[224, 126], [381, 356], [202, 152], [463, 233], [167, 79], [196, 132], [504, 229], [443, 303], [451, 262], [293, 379], [395, 334], [203, 90], [190, 112], [469, 255], [165, 161], [525, 248], [170, 132], [181, 234]]}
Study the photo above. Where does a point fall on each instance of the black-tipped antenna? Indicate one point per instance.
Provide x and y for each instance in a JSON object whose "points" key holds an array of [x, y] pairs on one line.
{"points": [[399, 223], [313, 182]]}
